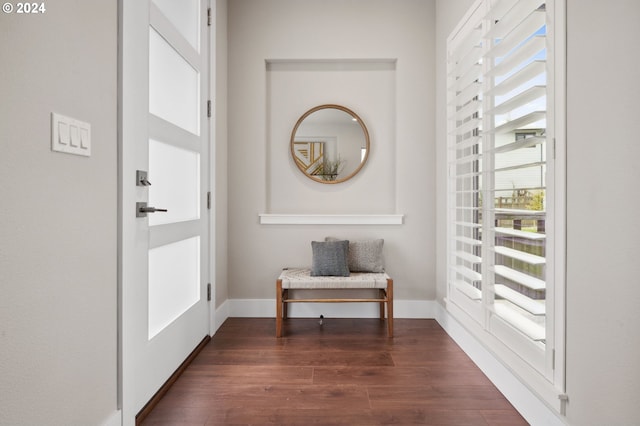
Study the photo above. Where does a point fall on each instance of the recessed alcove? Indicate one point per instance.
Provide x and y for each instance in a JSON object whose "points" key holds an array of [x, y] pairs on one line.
{"points": [[366, 86]]}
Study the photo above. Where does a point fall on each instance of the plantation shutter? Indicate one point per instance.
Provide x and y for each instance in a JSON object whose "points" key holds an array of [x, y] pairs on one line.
{"points": [[515, 122], [465, 86], [497, 115]]}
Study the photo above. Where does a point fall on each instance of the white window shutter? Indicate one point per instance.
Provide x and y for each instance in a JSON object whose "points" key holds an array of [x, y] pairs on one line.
{"points": [[497, 152]]}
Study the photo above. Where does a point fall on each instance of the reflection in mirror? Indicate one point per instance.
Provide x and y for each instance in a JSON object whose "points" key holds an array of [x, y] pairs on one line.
{"points": [[330, 144]]}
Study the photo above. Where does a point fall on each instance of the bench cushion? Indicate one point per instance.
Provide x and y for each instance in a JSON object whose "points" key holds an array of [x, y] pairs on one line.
{"points": [[300, 278]]}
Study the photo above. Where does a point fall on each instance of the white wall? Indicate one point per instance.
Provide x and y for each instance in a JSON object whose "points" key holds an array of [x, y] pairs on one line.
{"points": [[58, 312], [402, 125], [603, 301], [602, 338], [369, 89]]}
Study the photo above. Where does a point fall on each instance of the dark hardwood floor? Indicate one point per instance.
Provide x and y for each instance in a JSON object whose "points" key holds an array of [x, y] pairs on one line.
{"points": [[343, 372]]}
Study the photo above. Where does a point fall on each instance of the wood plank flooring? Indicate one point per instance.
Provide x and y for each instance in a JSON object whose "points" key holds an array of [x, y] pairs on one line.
{"points": [[343, 372]]}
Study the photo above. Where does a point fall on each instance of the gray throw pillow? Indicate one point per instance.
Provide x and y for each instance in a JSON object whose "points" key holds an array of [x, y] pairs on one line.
{"points": [[330, 258], [365, 255]]}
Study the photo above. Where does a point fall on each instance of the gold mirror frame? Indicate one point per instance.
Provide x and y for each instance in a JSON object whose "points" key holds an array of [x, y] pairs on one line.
{"points": [[327, 177]]}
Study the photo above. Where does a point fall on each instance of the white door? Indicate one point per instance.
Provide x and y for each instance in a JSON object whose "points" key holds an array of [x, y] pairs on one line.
{"points": [[164, 132]]}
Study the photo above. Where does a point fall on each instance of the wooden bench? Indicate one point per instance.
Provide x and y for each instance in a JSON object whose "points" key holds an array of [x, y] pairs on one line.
{"points": [[300, 279]]}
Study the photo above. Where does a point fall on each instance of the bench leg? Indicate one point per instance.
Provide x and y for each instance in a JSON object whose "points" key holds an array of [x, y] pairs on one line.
{"points": [[390, 306], [279, 308], [381, 295], [285, 306]]}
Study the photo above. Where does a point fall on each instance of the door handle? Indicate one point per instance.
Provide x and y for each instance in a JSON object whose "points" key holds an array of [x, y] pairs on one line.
{"points": [[151, 210], [142, 209]]}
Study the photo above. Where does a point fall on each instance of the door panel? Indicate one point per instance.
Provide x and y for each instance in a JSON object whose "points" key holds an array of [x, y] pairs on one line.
{"points": [[164, 256], [174, 282], [184, 16], [176, 183], [174, 84]]}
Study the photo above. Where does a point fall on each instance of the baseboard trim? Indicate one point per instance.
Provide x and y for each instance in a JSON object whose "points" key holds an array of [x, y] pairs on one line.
{"points": [[155, 399], [115, 419], [528, 404], [220, 316]]}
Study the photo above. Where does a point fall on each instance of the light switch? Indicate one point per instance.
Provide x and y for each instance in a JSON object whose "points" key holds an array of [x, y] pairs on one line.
{"points": [[70, 136], [75, 136], [84, 138], [63, 133]]}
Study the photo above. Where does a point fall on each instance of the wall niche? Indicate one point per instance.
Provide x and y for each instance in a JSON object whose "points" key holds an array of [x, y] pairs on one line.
{"points": [[366, 86]]}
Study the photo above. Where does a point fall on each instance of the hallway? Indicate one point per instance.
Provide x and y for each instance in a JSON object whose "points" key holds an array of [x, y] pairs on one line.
{"points": [[343, 372]]}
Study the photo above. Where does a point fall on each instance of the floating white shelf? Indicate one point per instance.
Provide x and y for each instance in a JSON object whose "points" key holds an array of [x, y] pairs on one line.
{"points": [[331, 219]]}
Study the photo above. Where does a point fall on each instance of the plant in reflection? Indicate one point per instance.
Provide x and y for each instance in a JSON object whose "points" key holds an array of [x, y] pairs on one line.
{"points": [[330, 169]]}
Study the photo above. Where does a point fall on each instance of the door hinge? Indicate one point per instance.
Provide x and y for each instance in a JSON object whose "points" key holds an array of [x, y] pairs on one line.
{"points": [[209, 17], [209, 200], [209, 109], [208, 292]]}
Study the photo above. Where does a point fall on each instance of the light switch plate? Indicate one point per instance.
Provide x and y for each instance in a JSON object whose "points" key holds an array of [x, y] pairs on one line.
{"points": [[70, 136]]}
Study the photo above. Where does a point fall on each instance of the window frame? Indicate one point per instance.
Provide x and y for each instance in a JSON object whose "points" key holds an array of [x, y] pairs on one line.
{"points": [[544, 375]]}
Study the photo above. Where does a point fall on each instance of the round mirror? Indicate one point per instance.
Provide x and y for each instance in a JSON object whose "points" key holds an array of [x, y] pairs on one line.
{"points": [[330, 144]]}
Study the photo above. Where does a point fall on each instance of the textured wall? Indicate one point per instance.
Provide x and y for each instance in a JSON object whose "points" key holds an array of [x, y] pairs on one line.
{"points": [[58, 306]]}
